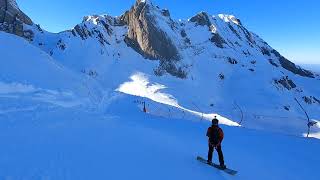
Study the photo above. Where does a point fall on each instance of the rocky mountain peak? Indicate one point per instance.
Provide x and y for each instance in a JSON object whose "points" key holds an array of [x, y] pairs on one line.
{"points": [[149, 2], [12, 18], [144, 34], [201, 19]]}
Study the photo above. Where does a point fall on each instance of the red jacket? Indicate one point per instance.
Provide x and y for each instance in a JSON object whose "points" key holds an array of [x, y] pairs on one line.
{"points": [[220, 132]]}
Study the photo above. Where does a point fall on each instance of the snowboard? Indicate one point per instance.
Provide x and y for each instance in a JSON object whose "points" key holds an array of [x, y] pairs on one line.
{"points": [[227, 170]]}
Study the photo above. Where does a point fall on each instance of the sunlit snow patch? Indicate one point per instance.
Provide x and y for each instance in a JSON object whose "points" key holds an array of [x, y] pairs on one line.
{"points": [[222, 120], [315, 130], [140, 86]]}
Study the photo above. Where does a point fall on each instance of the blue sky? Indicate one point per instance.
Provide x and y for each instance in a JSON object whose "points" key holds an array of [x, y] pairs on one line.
{"points": [[290, 26]]}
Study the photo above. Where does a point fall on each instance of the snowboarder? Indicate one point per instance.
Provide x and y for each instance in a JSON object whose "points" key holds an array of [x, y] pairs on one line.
{"points": [[215, 135]]}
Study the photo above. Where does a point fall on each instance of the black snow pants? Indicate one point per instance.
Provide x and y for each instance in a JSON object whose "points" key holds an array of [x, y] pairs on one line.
{"points": [[219, 150]]}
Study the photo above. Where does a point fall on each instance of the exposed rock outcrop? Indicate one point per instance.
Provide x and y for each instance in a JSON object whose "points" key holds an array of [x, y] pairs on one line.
{"points": [[290, 66], [273, 63], [12, 18], [217, 40], [165, 12], [311, 100], [201, 19], [286, 82], [145, 36]]}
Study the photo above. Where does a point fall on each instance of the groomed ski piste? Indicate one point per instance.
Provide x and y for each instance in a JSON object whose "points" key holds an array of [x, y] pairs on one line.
{"points": [[57, 124]]}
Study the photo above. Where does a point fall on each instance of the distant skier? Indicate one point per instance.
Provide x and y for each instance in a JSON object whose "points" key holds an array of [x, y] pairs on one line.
{"points": [[215, 135]]}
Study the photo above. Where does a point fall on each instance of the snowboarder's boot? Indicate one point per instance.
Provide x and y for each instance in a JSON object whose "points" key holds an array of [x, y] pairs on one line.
{"points": [[223, 167], [209, 162]]}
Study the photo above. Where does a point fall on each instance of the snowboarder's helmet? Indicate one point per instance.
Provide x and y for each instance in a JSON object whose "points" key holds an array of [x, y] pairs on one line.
{"points": [[215, 121]]}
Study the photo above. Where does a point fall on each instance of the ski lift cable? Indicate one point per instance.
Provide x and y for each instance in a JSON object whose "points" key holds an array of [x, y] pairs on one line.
{"points": [[306, 116]]}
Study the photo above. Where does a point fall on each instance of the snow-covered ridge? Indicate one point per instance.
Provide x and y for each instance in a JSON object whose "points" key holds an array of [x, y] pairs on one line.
{"points": [[229, 18]]}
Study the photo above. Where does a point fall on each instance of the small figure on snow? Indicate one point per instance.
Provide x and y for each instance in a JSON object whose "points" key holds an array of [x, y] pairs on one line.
{"points": [[144, 107], [215, 135]]}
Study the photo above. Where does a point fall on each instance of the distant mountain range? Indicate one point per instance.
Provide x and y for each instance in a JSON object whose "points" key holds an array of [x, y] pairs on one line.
{"points": [[311, 67]]}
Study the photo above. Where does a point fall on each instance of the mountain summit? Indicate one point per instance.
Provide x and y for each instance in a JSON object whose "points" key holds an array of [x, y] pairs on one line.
{"points": [[144, 34]]}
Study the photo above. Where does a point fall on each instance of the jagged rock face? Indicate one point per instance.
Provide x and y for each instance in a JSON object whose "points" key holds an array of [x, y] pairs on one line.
{"points": [[201, 19], [165, 12], [311, 100], [217, 40], [286, 82], [12, 18], [145, 36]]}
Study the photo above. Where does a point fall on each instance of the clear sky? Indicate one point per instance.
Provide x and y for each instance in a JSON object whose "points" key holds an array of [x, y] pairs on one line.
{"points": [[290, 26]]}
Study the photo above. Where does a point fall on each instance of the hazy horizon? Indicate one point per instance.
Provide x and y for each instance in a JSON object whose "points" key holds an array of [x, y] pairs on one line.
{"points": [[311, 67]]}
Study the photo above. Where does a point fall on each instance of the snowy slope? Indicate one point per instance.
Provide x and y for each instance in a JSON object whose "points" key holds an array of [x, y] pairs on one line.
{"points": [[71, 103], [124, 143], [22, 61], [228, 69], [28, 72]]}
